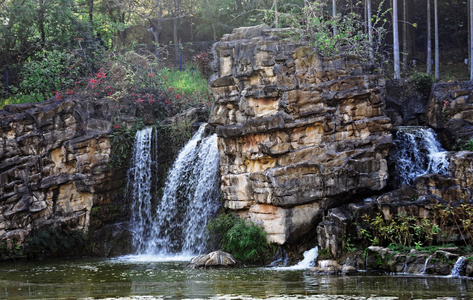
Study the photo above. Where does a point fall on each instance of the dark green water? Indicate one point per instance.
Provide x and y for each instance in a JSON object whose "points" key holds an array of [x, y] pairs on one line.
{"points": [[121, 278]]}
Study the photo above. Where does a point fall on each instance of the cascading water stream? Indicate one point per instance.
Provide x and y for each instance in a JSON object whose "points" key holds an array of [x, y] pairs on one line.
{"points": [[310, 256], [175, 224], [417, 152], [141, 182], [458, 267]]}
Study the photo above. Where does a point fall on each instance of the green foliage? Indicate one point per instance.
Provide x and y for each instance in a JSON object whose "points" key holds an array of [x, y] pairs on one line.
{"points": [[56, 242], [18, 99], [244, 240], [48, 72], [463, 145], [454, 220], [10, 250], [422, 83], [401, 229], [121, 143], [340, 35]]}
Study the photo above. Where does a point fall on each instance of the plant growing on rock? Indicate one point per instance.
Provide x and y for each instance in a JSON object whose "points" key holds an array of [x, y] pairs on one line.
{"points": [[243, 239], [349, 38], [401, 229]]}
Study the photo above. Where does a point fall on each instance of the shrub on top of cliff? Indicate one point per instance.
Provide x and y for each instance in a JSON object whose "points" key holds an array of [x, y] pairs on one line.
{"points": [[244, 240], [48, 72], [422, 83], [340, 35]]}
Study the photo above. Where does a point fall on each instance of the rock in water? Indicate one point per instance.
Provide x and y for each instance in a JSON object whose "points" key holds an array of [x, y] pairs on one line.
{"points": [[213, 259], [325, 267]]}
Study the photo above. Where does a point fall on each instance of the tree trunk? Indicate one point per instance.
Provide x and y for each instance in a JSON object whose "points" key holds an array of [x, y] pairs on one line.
{"points": [[370, 30], [437, 54], [41, 24], [276, 17], [91, 13], [397, 64], [175, 24], [471, 38], [334, 14], [405, 50], [429, 40]]}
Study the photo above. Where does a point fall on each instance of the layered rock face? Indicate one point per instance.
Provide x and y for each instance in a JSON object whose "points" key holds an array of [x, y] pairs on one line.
{"points": [[451, 109], [54, 168], [429, 195], [297, 133]]}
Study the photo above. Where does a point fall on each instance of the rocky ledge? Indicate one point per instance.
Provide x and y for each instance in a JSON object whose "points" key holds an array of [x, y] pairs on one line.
{"points": [[298, 133]]}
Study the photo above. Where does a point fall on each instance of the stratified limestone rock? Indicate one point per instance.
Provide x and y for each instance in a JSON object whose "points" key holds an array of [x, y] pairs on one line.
{"points": [[54, 168], [213, 259], [461, 167], [298, 133], [451, 108]]}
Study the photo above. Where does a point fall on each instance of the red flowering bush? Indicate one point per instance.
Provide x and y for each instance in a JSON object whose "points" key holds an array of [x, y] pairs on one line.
{"points": [[203, 63]]}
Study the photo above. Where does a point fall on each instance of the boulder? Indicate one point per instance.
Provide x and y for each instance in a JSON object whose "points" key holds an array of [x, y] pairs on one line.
{"points": [[213, 260], [325, 267]]}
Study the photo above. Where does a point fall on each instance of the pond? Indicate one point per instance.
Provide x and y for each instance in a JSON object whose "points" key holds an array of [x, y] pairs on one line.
{"points": [[169, 278]]}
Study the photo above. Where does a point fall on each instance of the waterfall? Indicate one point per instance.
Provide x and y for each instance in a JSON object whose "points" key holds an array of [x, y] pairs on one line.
{"points": [[141, 184], [457, 268], [424, 270], [175, 224], [417, 152]]}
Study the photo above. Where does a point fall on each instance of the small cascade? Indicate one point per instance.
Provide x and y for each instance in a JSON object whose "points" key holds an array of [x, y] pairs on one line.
{"points": [[175, 224], [457, 268], [417, 152], [425, 266], [310, 256], [280, 258], [141, 183], [404, 268]]}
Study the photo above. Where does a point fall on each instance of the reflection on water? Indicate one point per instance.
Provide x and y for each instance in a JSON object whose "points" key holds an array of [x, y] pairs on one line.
{"points": [[169, 278]]}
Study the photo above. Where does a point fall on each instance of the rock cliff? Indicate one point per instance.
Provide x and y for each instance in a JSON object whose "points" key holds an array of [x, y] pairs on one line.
{"points": [[54, 169], [450, 109], [298, 133]]}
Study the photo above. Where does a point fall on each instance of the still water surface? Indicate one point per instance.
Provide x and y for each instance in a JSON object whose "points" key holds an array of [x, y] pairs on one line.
{"points": [[150, 278]]}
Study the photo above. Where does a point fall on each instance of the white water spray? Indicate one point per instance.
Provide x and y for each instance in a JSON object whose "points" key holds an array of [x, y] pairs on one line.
{"points": [[457, 268], [310, 256], [424, 270], [141, 182], [175, 225], [417, 152]]}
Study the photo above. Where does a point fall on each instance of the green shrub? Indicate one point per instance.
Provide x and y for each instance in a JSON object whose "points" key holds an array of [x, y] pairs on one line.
{"points": [[121, 143], [56, 242], [464, 145], [50, 71], [20, 99], [422, 83], [244, 240]]}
